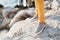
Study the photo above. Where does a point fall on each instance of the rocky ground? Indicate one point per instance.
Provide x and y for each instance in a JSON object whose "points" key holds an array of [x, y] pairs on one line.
{"points": [[26, 29]]}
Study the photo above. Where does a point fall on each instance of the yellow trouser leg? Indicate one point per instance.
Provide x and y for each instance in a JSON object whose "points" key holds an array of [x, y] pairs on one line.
{"points": [[40, 10], [36, 9]]}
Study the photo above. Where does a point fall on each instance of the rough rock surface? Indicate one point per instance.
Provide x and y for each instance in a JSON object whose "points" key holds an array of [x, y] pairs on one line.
{"points": [[9, 12], [26, 29], [6, 14], [22, 15]]}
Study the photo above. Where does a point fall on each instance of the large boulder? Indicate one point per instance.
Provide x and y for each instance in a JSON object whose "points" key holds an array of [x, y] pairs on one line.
{"points": [[22, 15], [5, 24], [9, 12], [24, 30], [6, 15]]}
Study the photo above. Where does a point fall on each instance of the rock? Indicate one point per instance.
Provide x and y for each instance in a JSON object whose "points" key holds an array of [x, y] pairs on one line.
{"points": [[4, 24], [14, 12], [50, 0], [21, 31], [1, 19], [28, 38], [1, 11], [1, 6], [55, 5], [9, 12], [47, 5], [46, 38], [51, 39], [25, 29], [3, 32], [53, 32], [6, 11], [53, 20], [57, 37], [22, 15], [58, 2], [21, 28], [38, 39]]}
